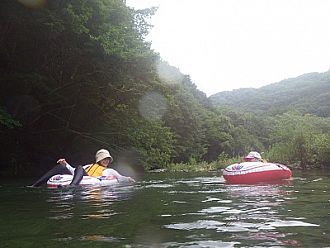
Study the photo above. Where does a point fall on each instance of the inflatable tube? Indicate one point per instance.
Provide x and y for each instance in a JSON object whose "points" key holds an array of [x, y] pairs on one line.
{"points": [[255, 172], [59, 181]]}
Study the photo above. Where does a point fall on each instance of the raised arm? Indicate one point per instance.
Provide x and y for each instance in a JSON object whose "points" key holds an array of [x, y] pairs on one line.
{"points": [[63, 162]]}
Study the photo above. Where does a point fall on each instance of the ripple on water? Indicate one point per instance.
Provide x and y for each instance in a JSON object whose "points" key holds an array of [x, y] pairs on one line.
{"points": [[101, 238], [212, 199], [159, 186], [213, 225], [200, 224], [215, 210], [288, 223], [203, 243], [180, 202], [237, 226], [203, 180]]}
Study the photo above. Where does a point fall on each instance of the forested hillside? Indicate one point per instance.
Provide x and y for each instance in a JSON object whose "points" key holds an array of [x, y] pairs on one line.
{"points": [[289, 119], [309, 93], [78, 75]]}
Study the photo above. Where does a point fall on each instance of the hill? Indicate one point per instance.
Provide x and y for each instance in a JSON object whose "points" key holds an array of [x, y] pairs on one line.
{"points": [[308, 93]]}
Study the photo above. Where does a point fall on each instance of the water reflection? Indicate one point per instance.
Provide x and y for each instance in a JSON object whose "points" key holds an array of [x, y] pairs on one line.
{"points": [[170, 211], [247, 212], [87, 202], [203, 243], [100, 238]]}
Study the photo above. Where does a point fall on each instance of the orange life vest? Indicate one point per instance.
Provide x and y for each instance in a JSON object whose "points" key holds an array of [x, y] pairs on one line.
{"points": [[95, 170]]}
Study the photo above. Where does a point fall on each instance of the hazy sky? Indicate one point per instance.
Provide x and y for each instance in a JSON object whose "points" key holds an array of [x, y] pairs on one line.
{"points": [[230, 44]]}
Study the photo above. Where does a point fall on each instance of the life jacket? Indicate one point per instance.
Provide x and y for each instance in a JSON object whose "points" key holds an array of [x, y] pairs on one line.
{"points": [[95, 170]]}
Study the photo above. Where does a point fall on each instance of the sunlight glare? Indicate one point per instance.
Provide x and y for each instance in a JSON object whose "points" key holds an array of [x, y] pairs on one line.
{"points": [[152, 106]]}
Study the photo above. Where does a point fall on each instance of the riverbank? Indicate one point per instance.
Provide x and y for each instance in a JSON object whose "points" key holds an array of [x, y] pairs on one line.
{"points": [[219, 165], [204, 166]]}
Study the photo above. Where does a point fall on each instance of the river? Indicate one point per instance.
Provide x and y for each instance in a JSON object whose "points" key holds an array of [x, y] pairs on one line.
{"points": [[170, 210]]}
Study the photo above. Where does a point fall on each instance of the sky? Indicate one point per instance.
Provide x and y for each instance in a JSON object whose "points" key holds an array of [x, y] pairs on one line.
{"points": [[230, 44]]}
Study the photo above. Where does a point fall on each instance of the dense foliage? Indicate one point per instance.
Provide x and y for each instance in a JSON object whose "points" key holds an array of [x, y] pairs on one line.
{"points": [[78, 75], [288, 120], [301, 139]]}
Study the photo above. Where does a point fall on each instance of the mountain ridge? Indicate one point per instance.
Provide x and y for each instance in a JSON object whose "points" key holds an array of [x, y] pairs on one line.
{"points": [[307, 93]]}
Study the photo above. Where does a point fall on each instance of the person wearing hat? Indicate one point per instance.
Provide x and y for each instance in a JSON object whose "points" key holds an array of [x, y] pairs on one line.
{"points": [[253, 157], [100, 168]]}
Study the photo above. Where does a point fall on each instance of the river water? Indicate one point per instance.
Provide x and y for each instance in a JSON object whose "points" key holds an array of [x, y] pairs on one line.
{"points": [[170, 210]]}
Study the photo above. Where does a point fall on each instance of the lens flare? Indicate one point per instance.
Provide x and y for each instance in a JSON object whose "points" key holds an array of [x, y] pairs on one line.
{"points": [[129, 163], [152, 106], [169, 74], [33, 4]]}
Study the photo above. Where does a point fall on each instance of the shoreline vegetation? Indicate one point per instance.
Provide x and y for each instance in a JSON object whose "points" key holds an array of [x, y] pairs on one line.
{"points": [[193, 166]]}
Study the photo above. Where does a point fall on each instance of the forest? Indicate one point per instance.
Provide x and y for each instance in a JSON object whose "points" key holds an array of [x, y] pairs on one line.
{"points": [[79, 75]]}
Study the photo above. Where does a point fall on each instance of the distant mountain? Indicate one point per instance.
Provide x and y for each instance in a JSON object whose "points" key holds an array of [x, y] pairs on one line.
{"points": [[308, 93]]}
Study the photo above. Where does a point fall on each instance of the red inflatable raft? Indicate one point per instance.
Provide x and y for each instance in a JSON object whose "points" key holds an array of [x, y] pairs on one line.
{"points": [[255, 172]]}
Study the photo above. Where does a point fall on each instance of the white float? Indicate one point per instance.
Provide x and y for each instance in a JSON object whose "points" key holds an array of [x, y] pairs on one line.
{"points": [[59, 181]]}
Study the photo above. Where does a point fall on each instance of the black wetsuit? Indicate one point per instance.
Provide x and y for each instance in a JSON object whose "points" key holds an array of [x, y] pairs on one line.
{"points": [[79, 172]]}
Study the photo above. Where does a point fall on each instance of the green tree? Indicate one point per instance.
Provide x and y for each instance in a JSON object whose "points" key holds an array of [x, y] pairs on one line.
{"points": [[153, 141], [297, 138]]}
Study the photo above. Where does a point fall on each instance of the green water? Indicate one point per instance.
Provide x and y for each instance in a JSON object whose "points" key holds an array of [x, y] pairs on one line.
{"points": [[169, 210]]}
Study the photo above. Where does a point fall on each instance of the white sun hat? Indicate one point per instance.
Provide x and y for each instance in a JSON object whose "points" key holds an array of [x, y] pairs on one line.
{"points": [[102, 154], [254, 155]]}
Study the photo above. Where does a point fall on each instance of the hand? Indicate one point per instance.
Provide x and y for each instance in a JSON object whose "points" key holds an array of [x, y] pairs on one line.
{"points": [[131, 180], [62, 161]]}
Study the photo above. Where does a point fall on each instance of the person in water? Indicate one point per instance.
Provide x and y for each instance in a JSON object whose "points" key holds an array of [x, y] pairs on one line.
{"points": [[253, 157], [103, 159]]}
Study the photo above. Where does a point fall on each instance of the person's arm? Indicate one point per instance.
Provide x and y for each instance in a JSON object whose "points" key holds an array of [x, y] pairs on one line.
{"points": [[63, 162], [120, 178], [87, 166]]}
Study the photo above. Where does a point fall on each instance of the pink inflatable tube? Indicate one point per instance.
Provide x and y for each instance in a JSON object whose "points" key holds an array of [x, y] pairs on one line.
{"points": [[255, 172]]}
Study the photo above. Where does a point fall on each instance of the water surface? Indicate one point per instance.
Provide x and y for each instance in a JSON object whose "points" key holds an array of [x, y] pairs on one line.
{"points": [[170, 210]]}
